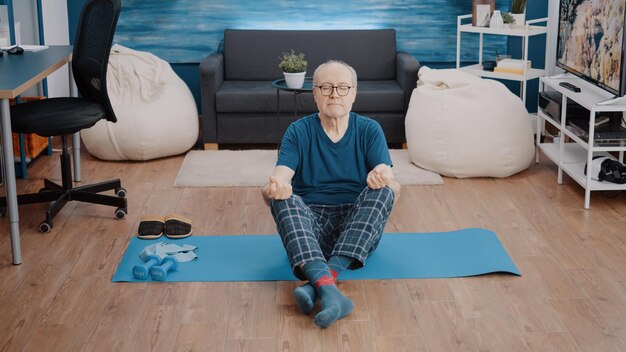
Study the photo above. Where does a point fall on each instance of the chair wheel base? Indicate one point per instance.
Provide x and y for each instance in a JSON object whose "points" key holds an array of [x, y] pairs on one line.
{"points": [[121, 192], [45, 227], [120, 213]]}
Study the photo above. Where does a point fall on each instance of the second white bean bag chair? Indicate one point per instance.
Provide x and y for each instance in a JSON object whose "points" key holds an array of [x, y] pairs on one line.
{"points": [[156, 112], [461, 125]]}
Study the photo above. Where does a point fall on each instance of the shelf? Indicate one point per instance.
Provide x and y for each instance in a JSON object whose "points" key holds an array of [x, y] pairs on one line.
{"points": [[583, 142], [514, 32], [588, 96], [566, 131], [575, 154], [573, 163], [524, 32], [549, 119], [477, 70]]}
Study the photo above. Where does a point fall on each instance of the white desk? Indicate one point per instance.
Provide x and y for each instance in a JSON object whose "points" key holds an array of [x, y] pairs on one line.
{"points": [[17, 74]]}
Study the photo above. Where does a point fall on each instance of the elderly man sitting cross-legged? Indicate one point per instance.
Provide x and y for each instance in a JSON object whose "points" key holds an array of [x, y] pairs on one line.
{"points": [[331, 192]]}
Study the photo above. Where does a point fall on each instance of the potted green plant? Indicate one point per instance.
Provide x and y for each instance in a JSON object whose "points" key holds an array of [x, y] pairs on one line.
{"points": [[294, 68], [518, 11], [508, 19]]}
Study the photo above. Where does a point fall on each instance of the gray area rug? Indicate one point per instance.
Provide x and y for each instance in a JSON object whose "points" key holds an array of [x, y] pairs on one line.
{"points": [[252, 168]]}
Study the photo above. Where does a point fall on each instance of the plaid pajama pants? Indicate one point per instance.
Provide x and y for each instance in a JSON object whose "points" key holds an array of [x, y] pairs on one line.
{"points": [[317, 232]]}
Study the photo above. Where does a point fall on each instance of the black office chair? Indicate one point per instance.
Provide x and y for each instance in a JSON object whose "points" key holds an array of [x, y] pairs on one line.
{"points": [[66, 116]]}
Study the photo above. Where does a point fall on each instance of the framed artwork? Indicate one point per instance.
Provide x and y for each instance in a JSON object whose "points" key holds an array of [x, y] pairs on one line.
{"points": [[481, 12]]}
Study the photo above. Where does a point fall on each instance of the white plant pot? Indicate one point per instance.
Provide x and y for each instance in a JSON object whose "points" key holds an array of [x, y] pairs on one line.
{"points": [[294, 80], [520, 20]]}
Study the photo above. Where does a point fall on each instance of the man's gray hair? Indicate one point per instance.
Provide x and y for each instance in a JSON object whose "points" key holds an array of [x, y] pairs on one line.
{"points": [[329, 62]]}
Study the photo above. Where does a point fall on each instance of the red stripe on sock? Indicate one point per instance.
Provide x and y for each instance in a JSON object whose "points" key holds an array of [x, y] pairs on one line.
{"points": [[334, 274], [324, 281]]}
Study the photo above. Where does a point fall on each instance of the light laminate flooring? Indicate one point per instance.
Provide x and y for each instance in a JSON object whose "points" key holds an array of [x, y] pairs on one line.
{"points": [[571, 297]]}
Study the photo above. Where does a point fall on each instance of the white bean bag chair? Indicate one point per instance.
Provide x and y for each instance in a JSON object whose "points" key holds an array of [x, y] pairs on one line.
{"points": [[461, 125], [156, 112]]}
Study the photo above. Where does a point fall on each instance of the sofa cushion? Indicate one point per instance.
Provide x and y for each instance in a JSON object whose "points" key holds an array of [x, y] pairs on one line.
{"points": [[379, 96], [260, 96], [254, 54], [246, 96]]}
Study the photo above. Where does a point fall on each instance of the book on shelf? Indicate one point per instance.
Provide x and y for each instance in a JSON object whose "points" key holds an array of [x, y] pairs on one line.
{"points": [[513, 63], [516, 71]]}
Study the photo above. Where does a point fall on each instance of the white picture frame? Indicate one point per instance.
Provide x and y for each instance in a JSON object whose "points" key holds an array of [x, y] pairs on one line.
{"points": [[483, 15]]}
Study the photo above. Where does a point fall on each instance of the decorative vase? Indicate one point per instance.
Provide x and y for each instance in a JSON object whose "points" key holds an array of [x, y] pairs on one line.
{"points": [[294, 80], [496, 20], [520, 20]]}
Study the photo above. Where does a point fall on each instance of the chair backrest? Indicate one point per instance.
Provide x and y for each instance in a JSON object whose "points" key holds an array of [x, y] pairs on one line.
{"points": [[92, 47]]}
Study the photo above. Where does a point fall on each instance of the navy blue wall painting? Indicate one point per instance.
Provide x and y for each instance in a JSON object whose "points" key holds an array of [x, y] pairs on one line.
{"points": [[186, 31]]}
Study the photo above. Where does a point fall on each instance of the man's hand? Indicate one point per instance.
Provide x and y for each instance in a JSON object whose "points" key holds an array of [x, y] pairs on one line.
{"points": [[279, 186], [382, 176], [278, 189], [379, 177]]}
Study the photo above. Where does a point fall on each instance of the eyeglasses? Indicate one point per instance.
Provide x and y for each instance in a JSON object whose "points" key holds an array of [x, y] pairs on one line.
{"points": [[327, 90]]}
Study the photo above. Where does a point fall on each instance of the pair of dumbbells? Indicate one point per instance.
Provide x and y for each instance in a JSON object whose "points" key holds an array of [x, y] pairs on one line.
{"points": [[155, 267]]}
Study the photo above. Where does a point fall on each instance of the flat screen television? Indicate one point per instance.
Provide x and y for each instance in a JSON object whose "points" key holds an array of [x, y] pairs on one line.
{"points": [[590, 42]]}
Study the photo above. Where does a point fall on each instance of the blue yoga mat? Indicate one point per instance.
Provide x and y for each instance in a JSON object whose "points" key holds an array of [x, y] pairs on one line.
{"points": [[466, 252]]}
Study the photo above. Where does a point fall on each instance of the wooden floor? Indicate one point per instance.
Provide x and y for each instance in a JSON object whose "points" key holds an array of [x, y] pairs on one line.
{"points": [[571, 297]]}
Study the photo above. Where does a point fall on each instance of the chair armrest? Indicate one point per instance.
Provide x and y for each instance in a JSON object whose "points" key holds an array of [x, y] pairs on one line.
{"points": [[406, 74], [211, 79]]}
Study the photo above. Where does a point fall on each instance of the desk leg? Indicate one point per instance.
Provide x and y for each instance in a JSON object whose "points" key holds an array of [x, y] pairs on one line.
{"points": [[76, 136], [9, 181]]}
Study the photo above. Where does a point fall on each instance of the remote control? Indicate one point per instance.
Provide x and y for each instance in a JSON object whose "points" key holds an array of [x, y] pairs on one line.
{"points": [[570, 86]]}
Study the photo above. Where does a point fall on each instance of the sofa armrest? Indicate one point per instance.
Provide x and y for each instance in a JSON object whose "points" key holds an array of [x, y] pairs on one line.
{"points": [[211, 79], [406, 74]]}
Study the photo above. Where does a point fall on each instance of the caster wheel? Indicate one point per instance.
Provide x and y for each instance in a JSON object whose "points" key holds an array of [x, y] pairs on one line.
{"points": [[120, 213], [45, 227], [121, 192], [3, 211]]}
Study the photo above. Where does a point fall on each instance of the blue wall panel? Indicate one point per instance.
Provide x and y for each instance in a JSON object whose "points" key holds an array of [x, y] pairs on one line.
{"points": [[184, 31]]}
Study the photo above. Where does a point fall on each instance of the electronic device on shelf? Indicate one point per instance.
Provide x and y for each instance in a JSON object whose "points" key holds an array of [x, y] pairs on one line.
{"points": [[570, 86], [591, 43], [608, 125], [607, 128], [550, 104]]}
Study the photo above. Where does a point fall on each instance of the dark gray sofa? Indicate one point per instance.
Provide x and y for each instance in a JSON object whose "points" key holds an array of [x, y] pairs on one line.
{"points": [[239, 104]]}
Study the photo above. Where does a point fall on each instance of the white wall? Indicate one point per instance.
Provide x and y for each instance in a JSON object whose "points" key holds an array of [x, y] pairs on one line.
{"points": [[26, 30], [25, 12], [56, 32], [55, 28], [553, 26]]}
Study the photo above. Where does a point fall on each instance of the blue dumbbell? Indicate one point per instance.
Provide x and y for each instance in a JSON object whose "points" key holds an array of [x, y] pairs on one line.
{"points": [[159, 273], [140, 272]]}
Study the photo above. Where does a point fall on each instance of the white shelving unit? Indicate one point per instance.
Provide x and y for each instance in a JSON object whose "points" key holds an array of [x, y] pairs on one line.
{"points": [[528, 30], [573, 156]]}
